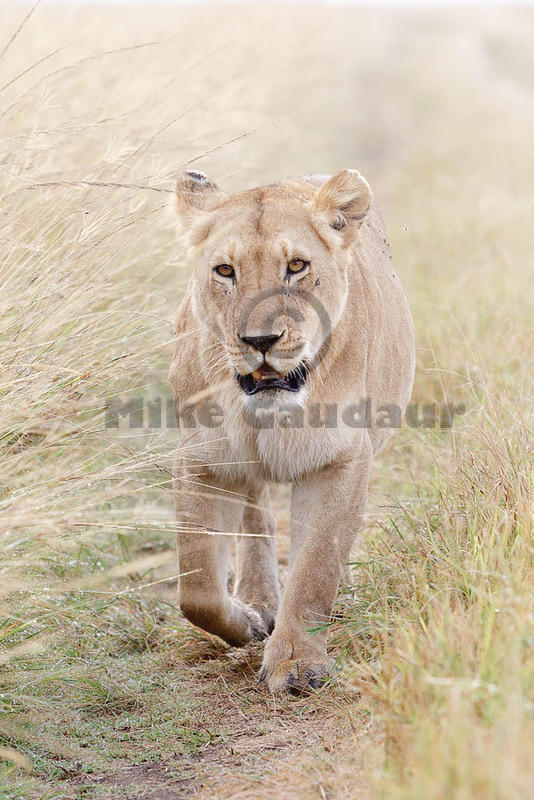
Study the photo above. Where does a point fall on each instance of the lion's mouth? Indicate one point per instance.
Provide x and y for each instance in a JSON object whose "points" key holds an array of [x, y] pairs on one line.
{"points": [[267, 378]]}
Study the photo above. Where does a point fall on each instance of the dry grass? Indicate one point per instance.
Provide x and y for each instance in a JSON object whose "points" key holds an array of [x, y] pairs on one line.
{"points": [[99, 675]]}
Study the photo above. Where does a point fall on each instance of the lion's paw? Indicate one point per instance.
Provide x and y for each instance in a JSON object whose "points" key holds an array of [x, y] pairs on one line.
{"points": [[295, 669], [259, 621]]}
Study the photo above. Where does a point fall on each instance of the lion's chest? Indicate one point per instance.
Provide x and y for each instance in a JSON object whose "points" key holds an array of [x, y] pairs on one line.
{"points": [[287, 454], [282, 454]]}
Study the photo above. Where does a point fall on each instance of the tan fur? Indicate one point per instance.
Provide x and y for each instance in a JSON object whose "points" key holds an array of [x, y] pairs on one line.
{"points": [[365, 350]]}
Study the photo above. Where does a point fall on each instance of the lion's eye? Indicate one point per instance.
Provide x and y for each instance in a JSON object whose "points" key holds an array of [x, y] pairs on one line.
{"points": [[225, 270], [297, 265]]}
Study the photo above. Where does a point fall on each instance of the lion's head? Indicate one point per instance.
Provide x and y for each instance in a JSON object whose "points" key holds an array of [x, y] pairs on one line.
{"points": [[270, 271]]}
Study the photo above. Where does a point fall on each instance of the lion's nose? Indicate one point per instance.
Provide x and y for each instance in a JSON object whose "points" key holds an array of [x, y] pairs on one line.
{"points": [[261, 343]]}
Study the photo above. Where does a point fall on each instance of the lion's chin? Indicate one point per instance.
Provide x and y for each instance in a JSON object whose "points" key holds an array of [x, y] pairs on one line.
{"points": [[266, 379]]}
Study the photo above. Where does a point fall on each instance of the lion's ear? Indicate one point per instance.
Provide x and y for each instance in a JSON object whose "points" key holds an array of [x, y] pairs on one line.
{"points": [[343, 201], [195, 194]]}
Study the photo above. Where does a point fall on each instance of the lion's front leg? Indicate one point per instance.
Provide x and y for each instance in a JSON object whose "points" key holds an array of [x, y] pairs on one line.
{"points": [[327, 512], [203, 554]]}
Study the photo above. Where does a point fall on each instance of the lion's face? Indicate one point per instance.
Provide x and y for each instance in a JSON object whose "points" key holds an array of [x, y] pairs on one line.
{"points": [[270, 274]]}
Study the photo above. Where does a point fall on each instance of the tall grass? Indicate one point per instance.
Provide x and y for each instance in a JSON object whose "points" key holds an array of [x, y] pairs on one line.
{"points": [[442, 630], [100, 110]]}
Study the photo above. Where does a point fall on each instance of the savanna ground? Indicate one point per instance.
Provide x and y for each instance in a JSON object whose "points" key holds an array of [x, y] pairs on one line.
{"points": [[105, 690]]}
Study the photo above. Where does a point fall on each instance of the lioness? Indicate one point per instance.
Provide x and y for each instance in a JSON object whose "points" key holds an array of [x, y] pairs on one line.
{"points": [[293, 312]]}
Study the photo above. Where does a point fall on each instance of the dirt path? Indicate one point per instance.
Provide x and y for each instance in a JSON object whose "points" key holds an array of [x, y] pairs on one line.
{"points": [[241, 741], [259, 746]]}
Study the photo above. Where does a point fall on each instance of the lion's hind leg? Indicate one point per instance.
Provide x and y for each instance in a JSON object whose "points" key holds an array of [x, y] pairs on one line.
{"points": [[256, 566]]}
